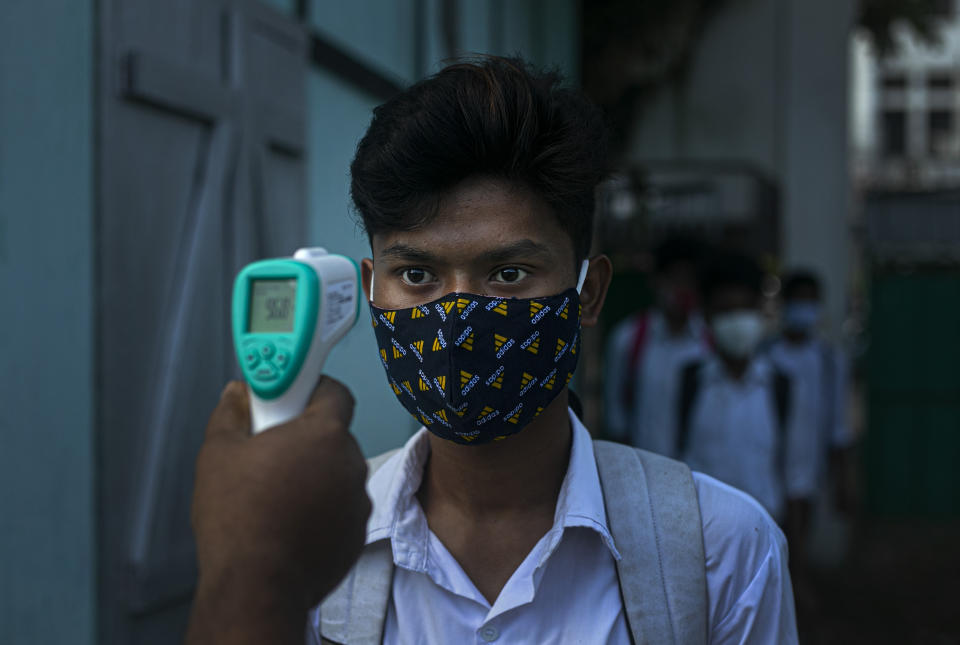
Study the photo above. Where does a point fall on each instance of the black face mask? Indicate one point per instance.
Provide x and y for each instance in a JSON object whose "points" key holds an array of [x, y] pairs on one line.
{"points": [[472, 368]]}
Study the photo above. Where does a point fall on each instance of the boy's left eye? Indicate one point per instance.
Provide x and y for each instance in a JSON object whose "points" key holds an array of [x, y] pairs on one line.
{"points": [[509, 275]]}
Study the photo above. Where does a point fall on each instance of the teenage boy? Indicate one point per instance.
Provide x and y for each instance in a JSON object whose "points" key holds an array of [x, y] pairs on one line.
{"points": [[738, 416], [500, 520], [646, 352], [814, 363]]}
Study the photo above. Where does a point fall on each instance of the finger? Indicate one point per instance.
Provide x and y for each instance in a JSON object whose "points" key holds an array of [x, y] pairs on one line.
{"points": [[331, 399], [231, 417]]}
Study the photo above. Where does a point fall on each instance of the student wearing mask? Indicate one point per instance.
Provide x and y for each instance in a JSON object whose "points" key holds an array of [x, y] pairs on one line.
{"points": [[500, 520], [820, 370], [646, 352], [738, 416]]}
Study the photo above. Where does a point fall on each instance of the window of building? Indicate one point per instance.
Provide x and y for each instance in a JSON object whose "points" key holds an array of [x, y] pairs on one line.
{"points": [[942, 8], [939, 81], [894, 81], [940, 133], [894, 133]]}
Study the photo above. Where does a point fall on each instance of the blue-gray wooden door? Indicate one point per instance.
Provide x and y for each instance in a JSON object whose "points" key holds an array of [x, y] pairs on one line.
{"points": [[201, 138]]}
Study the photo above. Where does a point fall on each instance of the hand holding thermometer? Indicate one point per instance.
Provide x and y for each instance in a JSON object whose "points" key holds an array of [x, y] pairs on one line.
{"points": [[287, 315]]}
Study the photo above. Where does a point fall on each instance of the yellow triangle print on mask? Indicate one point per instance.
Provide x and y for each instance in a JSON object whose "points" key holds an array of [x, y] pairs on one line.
{"points": [[465, 377], [383, 355], [467, 343], [447, 306], [436, 345], [514, 418], [406, 386], [563, 314], [498, 383], [534, 308], [442, 382], [424, 386], [417, 313], [534, 346], [560, 346], [396, 390], [396, 352], [390, 315], [539, 410], [569, 376], [526, 379], [499, 340], [486, 410], [442, 414], [462, 304], [419, 345], [549, 384], [501, 308]]}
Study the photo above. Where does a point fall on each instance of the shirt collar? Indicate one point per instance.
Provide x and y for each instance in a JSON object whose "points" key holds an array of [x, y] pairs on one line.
{"points": [[758, 371], [397, 515]]}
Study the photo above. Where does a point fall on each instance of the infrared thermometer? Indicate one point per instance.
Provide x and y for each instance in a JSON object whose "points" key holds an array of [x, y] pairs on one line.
{"points": [[287, 315]]}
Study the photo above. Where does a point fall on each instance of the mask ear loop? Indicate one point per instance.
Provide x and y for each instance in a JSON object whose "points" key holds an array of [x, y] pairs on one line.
{"points": [[371, 286], [580, 280]]}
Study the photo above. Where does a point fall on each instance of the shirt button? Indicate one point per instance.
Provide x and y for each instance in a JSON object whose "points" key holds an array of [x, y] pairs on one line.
{"points": [[489, 633]]}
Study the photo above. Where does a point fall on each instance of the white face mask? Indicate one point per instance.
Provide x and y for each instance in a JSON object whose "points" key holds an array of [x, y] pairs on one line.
{"points": [[738, 333]]}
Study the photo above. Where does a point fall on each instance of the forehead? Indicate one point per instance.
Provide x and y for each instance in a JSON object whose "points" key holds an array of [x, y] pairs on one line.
{"points": [[733, 296], [804, 292], [480, 215]]}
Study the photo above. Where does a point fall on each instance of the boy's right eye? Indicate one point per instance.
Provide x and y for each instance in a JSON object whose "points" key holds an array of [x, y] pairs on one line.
{"points": [[416, 276]]}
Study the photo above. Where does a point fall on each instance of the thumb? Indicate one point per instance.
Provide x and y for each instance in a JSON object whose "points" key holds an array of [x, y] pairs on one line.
{"points": [[231, 417], [331, 398]]}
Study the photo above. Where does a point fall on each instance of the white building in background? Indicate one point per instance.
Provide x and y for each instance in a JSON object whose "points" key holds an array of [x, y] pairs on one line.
{"points": [[905, 109]]}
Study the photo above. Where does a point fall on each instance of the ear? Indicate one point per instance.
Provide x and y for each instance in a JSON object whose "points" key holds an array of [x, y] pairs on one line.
{"points": [[366, 276], [594, 290]]}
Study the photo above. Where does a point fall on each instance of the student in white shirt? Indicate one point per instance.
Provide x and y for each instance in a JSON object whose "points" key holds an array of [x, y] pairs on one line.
{"points": [[738, 418], [501, 521], [645, 352], [820, 369]]}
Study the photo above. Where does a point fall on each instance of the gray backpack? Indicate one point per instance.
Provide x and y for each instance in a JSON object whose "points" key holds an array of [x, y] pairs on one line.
{"points": [[654, 517]]}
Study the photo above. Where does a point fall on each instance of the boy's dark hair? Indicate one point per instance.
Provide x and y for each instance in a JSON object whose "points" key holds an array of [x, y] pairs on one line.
{"points": [[797, 280], [487, 116], [676, 249], [730, 269]]}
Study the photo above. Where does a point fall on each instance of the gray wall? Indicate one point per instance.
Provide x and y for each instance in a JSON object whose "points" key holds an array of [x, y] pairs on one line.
{"points": [[47, 376]]}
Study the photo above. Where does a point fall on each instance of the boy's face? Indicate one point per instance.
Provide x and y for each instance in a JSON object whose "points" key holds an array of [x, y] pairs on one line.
{"points": [[488, 238]]}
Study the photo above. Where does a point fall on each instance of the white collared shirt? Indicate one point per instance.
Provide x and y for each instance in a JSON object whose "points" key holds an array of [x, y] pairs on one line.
{"points": [[567, 590], [735, 435], [651, 422]]}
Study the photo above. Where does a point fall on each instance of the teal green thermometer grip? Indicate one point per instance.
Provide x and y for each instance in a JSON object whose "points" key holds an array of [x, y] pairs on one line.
{"points": [[287, 314]]}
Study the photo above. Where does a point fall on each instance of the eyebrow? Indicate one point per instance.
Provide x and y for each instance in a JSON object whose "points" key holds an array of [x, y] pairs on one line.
{"points": [[524, 248]]}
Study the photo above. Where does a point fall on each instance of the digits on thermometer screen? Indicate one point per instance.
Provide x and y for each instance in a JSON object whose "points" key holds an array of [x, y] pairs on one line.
{"points": [[287, 315]]}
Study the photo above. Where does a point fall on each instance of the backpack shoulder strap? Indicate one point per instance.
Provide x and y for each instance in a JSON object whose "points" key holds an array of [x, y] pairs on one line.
{"points": [[689, 387], [654, 516], [781, 397], [638, 341], [356, 611]]}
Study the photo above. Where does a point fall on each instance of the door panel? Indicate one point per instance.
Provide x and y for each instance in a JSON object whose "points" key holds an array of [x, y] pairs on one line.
{"points": [[201, 170]]}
